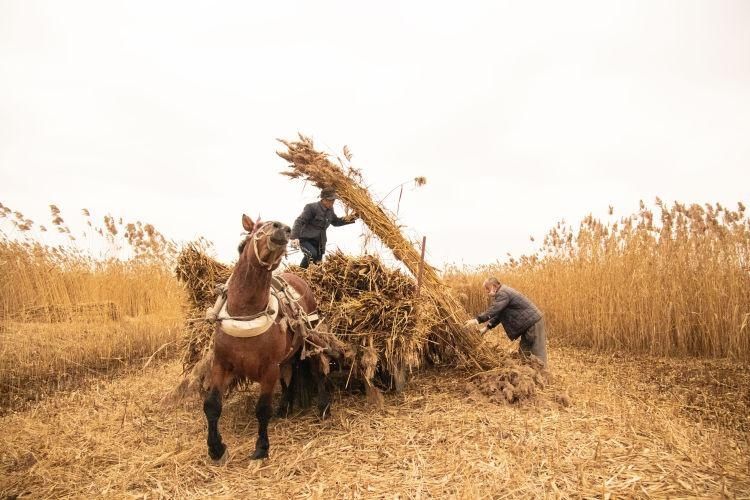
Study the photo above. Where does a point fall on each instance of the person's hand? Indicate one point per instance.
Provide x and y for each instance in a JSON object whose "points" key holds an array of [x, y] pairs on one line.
{"points": [[294, 244], [351, 217], [483, 330], [471, 322]]}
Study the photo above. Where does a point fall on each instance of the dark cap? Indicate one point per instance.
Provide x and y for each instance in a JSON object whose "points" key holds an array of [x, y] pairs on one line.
{"points": [[328, 194]]}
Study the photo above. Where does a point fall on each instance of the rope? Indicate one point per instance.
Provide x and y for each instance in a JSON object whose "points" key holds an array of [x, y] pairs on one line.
{"points": [[256, 236]]}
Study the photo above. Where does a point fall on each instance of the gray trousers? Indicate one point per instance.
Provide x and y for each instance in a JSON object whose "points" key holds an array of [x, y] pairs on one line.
{"points": [[534, 341]]}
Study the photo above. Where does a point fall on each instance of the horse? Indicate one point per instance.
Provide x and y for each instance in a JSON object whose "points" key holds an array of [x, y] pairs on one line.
{"points": [[267, 357]]}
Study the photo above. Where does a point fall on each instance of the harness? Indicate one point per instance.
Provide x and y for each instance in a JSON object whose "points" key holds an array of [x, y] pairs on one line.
{"points": [[282, 298], [290, 297], [263, 231], [249, 326]]}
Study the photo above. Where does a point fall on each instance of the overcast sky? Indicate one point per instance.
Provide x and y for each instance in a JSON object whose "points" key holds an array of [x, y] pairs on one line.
{"points": [[518, 113]]}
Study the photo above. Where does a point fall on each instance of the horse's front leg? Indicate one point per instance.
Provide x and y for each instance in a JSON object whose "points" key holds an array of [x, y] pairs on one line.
{"points": [[220, 377], [263, 411]]}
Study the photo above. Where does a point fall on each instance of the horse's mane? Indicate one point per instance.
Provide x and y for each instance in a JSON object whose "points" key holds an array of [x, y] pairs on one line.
{"points": [[241, 246]]}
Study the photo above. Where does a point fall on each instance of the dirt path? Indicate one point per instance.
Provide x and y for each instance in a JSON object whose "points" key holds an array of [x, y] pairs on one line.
{"points": [[435, 439]]}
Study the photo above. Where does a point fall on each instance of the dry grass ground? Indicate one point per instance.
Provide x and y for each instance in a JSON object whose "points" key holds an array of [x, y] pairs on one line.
{"points": [[624, 434], [38, 359]]}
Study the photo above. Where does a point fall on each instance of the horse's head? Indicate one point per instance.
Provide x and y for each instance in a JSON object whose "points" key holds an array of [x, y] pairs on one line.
{"points": [[267, 240]]}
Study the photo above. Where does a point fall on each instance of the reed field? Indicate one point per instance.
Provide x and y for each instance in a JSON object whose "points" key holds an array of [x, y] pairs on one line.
{"points": [[67, 315], [666, 281], [648, 395]]}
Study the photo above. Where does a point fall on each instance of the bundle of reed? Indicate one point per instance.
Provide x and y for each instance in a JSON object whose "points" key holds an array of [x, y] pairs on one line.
{"points": [[512, 382], [374, 310], [453, 342], [201, 275]]}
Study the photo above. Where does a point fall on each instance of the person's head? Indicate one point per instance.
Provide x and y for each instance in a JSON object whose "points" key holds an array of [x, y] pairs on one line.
{"points": [[492, 285], [327, 197]]}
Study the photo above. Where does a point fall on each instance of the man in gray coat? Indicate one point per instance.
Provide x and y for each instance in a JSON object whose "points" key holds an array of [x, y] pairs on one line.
{"points": [[519, 317], [309, 230]]}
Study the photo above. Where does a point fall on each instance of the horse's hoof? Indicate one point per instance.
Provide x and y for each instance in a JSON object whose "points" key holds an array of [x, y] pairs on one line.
{"points": [[222, 460], [259, 454]]}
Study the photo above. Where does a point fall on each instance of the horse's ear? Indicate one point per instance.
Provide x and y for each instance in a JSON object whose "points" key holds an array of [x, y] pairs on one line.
{"points": [[247, 223], [258, 223]]}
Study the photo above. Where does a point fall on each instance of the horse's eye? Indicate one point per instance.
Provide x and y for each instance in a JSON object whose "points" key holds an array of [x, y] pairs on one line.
{"points": [[276, 225]]}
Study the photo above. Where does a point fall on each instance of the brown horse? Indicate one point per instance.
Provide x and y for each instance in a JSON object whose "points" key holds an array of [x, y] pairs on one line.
{"points": [[262, 358]]}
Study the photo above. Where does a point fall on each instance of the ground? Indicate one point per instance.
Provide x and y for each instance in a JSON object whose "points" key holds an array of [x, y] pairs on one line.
{"points": [[634, 427]]}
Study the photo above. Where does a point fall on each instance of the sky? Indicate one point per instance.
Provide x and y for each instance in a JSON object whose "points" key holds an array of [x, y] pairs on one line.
{"points": [[519, 114]]}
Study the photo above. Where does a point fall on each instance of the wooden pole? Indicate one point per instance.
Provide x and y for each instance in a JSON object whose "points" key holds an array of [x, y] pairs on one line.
{"points": [[421, 266]]}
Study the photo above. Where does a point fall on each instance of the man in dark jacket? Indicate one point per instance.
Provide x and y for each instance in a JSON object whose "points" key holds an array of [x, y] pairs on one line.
{"points": [[309, 229], [519, 317]]}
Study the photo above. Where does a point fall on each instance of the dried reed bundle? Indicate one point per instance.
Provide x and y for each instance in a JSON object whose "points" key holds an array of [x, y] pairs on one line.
{"points": [[511, 382], [200, 274], [374, 311]]}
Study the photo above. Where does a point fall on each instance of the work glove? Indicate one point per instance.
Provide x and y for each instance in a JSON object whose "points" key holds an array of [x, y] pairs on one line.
{"points": [[483, 330], [471, 322]]}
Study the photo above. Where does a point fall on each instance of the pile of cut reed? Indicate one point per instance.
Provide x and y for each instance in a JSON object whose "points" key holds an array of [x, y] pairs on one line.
{"points": [[369, 313], [375, 311]]}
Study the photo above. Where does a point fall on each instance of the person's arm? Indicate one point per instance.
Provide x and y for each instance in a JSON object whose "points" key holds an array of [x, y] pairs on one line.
{"points": [[304, 218], [493, 313]]}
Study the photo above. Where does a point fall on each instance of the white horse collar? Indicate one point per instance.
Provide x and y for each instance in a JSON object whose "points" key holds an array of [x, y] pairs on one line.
{"points": [[249, 328]]}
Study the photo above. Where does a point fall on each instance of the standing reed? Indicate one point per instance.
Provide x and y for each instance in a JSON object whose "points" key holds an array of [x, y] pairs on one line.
{"points": [[669, 281], [65, 314]]}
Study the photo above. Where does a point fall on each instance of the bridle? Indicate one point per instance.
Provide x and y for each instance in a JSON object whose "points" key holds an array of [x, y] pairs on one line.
{"points": [[264, 230]]}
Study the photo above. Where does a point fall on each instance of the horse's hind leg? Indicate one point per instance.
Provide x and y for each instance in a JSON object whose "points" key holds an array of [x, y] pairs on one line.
{"points": [[324, 395], [263, 411], [212, 408], [286, 402]]}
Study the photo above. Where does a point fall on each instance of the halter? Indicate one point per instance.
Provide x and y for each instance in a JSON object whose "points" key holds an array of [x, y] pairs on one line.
{"points": [[263, 231]]}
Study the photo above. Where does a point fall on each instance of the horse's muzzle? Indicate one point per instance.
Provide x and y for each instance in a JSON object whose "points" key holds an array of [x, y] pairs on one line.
{"points": [[281, 235]]}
